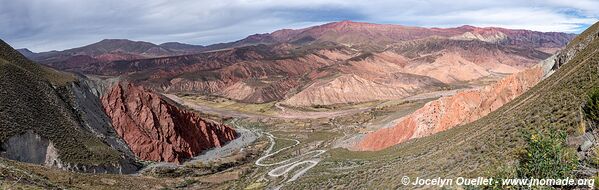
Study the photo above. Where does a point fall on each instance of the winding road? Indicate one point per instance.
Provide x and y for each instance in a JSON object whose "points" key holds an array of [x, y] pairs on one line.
{"points": [[306, 161], [268, 151]]}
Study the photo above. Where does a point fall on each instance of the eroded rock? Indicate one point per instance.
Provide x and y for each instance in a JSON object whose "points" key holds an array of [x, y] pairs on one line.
{"points": [[157, 130], [448, 112]]}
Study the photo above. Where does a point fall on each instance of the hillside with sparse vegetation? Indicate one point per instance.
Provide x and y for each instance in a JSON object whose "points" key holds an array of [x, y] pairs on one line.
{"points": [[35, 98]]}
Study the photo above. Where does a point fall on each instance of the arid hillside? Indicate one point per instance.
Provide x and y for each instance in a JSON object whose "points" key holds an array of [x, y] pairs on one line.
{"points": [[313, 66]]}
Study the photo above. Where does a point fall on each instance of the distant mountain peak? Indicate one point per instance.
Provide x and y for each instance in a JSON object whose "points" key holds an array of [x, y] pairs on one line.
{"points": [[121, 41], [468, 27], [349, 23], [180, 46], [24, 50], [115, 40]]}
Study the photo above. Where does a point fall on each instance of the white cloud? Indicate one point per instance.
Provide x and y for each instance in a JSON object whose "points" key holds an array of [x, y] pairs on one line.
{"points": [[58, 24]]}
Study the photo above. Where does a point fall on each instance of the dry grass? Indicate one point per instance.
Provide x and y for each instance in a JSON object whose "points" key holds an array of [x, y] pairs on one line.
{"points": [[18, 175], [228, 104], [38, 99]]}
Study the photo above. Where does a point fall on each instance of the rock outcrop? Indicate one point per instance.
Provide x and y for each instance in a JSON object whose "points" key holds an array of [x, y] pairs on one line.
{"points": [[572, 49], [157, 130], [31, 148], [448, 112]]}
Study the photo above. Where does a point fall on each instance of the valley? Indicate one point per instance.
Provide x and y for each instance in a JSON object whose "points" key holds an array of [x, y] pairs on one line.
{"points": [[341, 105]]}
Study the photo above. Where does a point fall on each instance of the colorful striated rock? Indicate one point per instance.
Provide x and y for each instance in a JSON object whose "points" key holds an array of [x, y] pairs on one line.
{"points": [[448, 112], [156, 130]]}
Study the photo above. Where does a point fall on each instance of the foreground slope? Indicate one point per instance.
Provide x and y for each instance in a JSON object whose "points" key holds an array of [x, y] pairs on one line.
{"points": [[40, 112], [478, 148]]}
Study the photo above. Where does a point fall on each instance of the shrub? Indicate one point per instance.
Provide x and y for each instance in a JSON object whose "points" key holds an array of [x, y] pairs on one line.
{"points": [[595, 156], [546, 156], [591, 108], [186, 183]]}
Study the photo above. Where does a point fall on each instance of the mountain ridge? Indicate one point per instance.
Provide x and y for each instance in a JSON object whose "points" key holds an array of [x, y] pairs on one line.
{"points": [[286, 61]]}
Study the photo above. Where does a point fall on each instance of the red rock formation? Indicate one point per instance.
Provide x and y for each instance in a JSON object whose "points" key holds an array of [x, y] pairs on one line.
{"points": [[448, 112], [272, 67], [156, 130]]}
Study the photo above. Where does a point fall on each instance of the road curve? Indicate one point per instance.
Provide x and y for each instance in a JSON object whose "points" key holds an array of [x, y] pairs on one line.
{"points": [[268, 151], [309, 159], [284, 169]]}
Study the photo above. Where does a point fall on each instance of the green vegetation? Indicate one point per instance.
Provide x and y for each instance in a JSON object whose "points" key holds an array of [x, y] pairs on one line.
{"points": [[547, 156], [332, 107], [591, 108], [17, 175], [15, 59], [383, 113], [38, 99], [186, 183], [228, 104], [361, 57], [592, 30], [282, 143]]}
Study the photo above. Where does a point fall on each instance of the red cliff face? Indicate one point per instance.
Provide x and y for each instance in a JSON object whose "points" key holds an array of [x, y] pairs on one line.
{"points": [[156, 130], [448, 112]]}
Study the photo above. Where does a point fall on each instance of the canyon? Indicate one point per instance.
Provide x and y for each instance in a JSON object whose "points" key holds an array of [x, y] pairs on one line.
{"points": [[90, 124]]}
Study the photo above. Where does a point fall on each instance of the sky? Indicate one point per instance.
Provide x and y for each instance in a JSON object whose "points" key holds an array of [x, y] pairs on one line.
{"points": [[43, 25]]}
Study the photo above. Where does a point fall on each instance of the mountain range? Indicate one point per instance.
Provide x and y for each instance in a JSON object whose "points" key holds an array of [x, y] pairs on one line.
{"points": [[306, 67]]}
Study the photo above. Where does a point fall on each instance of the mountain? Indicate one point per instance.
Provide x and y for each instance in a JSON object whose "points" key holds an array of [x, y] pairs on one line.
{"points": [[46, 113], [176, 46], [312, 66], [89, 124], [492, 145], [113, 50], [377, 36], [26, 52]]}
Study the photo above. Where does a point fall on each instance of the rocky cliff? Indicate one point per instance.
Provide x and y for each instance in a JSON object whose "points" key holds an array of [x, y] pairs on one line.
{"points": [[447, 112], [156, 130]]}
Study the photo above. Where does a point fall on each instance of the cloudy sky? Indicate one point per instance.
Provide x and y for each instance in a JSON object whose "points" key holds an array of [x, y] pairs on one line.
{"points": [[43, 25]]}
